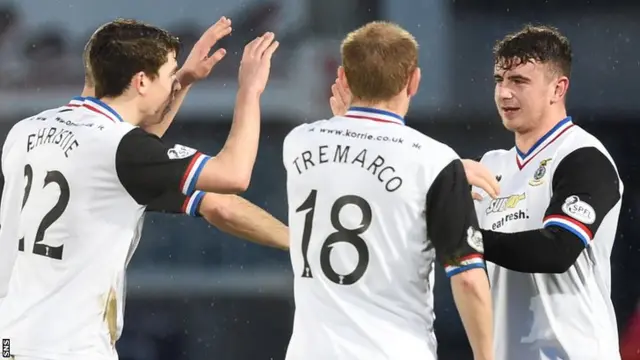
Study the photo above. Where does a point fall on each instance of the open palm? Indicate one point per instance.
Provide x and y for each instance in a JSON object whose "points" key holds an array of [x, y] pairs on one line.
{"points": [[199, 63]]}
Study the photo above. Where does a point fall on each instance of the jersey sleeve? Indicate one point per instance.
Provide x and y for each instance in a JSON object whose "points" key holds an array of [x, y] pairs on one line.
{"points": [[452, 225], [585, 187], [176, 202], [147, 168]]}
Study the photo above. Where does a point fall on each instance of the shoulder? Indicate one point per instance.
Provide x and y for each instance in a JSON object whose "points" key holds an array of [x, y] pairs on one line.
{"points": [[306, 127], [582, 159], [579, 138], [297, 133], [429, 152], [25, 125], [585, 152], [133, 140], [430, 146], [495, 155]]}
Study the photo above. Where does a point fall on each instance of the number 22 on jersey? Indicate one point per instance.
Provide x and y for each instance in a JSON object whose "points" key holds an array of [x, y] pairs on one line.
{"points": [[52, 177], [341, 234]]}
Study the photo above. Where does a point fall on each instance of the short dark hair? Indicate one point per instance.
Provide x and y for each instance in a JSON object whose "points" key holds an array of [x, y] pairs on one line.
{"points": [[543, 44], [122, 48]]}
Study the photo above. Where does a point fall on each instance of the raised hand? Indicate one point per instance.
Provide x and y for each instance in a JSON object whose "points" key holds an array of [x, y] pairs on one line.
{"points": [[340, 99], [256, 63], [199, 63]]}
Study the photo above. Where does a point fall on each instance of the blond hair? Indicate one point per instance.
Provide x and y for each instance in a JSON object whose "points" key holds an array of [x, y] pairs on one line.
{"points": [[378, 60]]}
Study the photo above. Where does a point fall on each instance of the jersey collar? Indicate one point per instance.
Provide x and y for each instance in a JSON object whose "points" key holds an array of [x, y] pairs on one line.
{"points": [[523, 158], [97, 106], [366, 113], [76, 101]]}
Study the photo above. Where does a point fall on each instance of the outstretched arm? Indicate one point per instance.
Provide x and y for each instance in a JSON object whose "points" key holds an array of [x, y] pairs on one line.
{"points": [[229, 213], [148, 168], [197, 67], [239, 217]]}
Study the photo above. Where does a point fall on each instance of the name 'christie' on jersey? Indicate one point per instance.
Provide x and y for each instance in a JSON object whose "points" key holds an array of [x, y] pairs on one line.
{"points": [[559, 203], [77, 180], [372, 204]]}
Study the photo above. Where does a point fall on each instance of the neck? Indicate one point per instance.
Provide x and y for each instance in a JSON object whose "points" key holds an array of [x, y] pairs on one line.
{"points": [[394, 105], [125, 108], [86, 92], [526, 140]]}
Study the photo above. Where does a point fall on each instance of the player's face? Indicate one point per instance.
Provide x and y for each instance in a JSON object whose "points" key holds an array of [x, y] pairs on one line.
{"points": [[163, 88], [522, 95]]}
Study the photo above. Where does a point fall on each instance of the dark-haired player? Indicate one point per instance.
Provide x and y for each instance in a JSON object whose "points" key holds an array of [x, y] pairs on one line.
{"points": [[548, 238], [78, 180]]}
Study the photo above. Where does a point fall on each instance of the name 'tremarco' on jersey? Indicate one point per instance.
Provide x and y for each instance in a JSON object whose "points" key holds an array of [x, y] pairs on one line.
{"points": [[53, 135], [373, 163]]}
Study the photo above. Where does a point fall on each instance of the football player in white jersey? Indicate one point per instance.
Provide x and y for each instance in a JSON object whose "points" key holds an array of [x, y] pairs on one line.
{"points": [[372, 204], [548, 237], [228, 212], [78, 179]]}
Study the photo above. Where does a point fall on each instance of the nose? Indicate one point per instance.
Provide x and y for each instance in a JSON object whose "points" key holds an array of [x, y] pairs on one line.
{"points": [[177, 86], [504, 92]]}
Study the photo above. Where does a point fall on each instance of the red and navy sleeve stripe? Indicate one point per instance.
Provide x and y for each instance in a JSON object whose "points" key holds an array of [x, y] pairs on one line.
{"points": [[465, 263], [190, 177], [572, 225], [192, 203]]}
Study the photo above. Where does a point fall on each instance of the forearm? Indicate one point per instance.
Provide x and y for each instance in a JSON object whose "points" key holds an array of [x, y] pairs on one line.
{"points": [[160, 128], [240, 150], [239, 217], [473, 300], [549, 250]]}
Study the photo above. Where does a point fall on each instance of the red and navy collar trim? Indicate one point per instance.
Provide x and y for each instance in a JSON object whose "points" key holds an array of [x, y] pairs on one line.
{"points": [[523, 158], [76, 101], [96, 105], [365, 113]]}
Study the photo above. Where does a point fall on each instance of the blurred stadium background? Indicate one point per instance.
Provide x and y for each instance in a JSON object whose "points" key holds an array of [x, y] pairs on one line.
{"points": [[195, 293]]}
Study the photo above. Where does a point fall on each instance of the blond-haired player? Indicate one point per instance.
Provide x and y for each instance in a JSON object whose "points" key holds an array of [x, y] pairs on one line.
{"points": [[372, 205]]}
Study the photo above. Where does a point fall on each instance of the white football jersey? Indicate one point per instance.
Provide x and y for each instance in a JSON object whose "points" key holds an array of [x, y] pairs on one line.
{"points": [[558, 183], [371, 204], [77, 181]]}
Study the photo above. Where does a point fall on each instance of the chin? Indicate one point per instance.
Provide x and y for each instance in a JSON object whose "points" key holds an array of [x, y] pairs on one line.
{"points": [[510, 124]]}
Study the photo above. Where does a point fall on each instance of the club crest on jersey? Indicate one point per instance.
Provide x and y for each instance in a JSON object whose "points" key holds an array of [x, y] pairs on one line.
{"points": [[540, 172], [474, 239], [180, 152], [579, 210]]}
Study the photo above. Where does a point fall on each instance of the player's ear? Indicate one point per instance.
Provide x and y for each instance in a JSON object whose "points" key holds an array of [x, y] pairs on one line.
{"points": [[342, 76], [561, 88], [414, 82], [140, 82]]}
